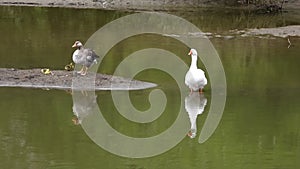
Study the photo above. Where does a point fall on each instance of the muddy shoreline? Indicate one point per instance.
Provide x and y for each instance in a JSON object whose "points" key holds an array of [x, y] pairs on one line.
{"points": [[67, 80], [158, 5]]}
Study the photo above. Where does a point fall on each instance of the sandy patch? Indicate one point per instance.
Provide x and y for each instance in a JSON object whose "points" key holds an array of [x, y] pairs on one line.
{"points": [[278, 32], [60, 79]]}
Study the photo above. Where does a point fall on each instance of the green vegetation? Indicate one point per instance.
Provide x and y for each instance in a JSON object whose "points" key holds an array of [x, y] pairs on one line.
{"points": [[265, 6]]}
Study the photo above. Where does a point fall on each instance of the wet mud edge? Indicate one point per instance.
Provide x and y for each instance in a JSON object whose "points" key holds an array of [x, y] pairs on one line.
{"points": [[67, 80]]}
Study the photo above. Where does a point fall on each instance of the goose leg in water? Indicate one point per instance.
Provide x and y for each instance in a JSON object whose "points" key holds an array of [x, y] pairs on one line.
{"points": [[84, 71], [200, 90], [81, 70], [191, 91]]}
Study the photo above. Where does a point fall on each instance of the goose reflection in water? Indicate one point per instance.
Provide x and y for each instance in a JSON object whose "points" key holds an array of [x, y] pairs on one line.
{"points": [[83, 106], [195, 103]]}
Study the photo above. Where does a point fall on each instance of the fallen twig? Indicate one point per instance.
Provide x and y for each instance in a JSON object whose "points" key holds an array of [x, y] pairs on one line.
{"points": [[289, 42]]}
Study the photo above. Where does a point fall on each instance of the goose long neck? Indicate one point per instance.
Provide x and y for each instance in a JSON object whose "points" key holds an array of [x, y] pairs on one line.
{"points": [[194, 62]]}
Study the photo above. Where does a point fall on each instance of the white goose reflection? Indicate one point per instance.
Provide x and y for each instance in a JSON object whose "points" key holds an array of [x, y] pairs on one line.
{"points": [[195, 103], [82, 108]]}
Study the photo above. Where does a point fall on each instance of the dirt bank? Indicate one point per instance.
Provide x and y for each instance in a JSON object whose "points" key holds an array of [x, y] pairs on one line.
{"points": [[60, 79], [282, 32], [131, 4]]}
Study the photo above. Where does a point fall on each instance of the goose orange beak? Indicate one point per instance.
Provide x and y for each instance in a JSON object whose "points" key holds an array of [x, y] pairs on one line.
{"points": [[190, 52], [74, 46]]}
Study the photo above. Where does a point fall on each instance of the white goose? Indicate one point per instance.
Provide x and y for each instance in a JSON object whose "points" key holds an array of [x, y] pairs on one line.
{"points": [[195, 78]]}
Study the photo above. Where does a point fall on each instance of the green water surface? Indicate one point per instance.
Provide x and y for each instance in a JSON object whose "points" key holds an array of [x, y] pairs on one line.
{"points": [[260, 126]]}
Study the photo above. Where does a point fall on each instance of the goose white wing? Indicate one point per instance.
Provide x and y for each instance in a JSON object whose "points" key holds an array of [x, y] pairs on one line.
{"points": [[195, 79]]}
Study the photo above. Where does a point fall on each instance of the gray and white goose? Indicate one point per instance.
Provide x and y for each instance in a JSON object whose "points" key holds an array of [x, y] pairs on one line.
{"points": [[84, 57]]}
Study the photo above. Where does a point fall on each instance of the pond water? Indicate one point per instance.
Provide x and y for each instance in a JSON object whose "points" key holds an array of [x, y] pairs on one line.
{"points": [[260, 126]]}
